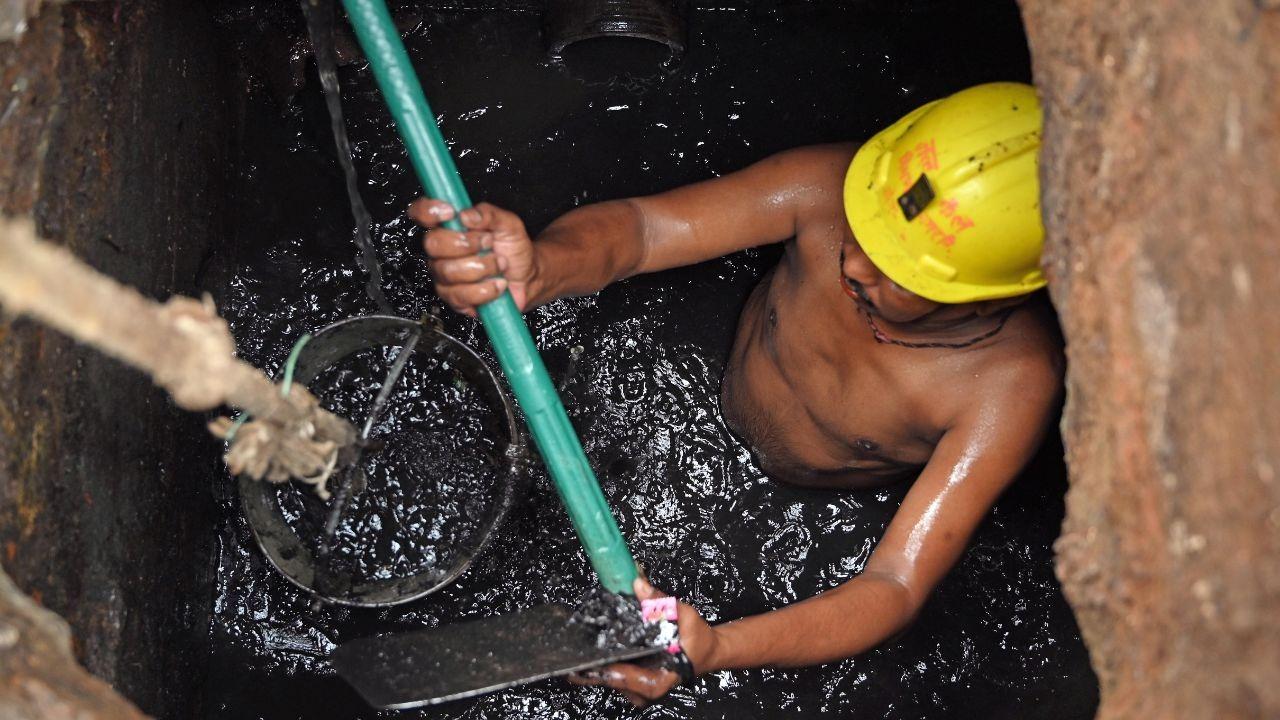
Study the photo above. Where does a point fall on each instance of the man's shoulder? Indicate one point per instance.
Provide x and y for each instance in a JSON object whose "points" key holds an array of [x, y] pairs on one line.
{"points": [[813, 164], [815, 173], [1028, 363]]}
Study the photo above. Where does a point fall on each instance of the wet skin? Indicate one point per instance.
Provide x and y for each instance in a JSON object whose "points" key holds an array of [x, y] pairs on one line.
{"points": [[818, 398]]}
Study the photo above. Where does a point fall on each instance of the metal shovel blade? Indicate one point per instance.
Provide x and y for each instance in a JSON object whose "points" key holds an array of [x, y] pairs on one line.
{"points": [[462, 660]]}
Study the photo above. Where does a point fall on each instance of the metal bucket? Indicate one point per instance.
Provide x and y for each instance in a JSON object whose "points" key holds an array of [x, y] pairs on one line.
{"points": [[289, 554]]}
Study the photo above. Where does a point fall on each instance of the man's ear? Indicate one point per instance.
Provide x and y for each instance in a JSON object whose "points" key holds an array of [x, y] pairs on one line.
{"points": [[993, 307]]}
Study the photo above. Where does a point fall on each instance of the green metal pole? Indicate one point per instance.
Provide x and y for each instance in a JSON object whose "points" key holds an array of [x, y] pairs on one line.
{"points": [[554, 435]]}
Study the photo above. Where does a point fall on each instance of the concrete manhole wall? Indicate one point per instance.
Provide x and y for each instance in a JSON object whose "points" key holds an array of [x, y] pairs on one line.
{"points": [[112, 134], [1161, 191], [1161, 181]]}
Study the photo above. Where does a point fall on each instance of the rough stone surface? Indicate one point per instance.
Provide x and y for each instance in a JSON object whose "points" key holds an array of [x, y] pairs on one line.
{"points": [[15, 17], [112, 134], [41, 680], [1161, 174]]}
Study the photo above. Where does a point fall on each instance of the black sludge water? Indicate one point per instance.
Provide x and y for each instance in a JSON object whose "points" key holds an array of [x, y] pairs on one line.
{"points": [[428, 473], [996, 641]]}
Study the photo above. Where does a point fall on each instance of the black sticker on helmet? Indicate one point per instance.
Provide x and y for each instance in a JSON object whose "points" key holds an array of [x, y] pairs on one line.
{"points": [[914, 201]]}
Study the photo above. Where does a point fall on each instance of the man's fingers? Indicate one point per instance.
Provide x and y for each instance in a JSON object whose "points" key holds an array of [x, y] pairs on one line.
{"points": [[493, 218], [429, 212], [466, 297], [644, 590], [457, 271], [443, 243], [648, 684]]}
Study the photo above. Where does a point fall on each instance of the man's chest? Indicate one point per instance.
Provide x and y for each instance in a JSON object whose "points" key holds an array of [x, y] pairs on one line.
{"points": [[821, 417]]}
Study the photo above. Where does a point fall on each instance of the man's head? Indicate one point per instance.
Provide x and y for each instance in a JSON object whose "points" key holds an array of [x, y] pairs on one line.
{"points": [[944, 208]]}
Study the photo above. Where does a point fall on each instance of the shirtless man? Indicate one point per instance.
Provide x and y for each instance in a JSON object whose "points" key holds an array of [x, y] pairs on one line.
{"points": [[892, 340]]}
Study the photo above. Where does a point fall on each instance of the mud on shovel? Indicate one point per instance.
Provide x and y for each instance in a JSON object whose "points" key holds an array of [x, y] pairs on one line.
{"points": [[466, 659]]}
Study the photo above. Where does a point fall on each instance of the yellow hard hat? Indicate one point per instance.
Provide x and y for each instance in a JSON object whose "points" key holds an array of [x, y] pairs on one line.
{"points": [[946, 201]]}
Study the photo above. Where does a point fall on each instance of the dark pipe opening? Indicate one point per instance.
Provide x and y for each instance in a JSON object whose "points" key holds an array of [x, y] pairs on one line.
{"points": [[600, 58], [596, 39]]}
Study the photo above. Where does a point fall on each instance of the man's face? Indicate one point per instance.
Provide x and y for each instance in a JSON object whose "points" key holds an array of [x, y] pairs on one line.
{"points": [[875, 292]]}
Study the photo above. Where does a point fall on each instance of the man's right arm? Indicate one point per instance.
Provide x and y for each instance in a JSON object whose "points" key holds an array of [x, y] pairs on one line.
{"points": [[592, 246]]}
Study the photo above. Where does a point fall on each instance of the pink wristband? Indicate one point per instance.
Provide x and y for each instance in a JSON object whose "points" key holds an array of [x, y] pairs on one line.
{"points": [[659, 609]]}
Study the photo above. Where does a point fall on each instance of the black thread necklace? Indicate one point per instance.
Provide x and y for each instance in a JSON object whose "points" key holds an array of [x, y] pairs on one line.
{"points": [[886, 340], [883, 339]]}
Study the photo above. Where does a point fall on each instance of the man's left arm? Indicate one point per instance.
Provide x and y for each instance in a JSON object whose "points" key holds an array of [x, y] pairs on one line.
{"points": [[973, 463]]}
